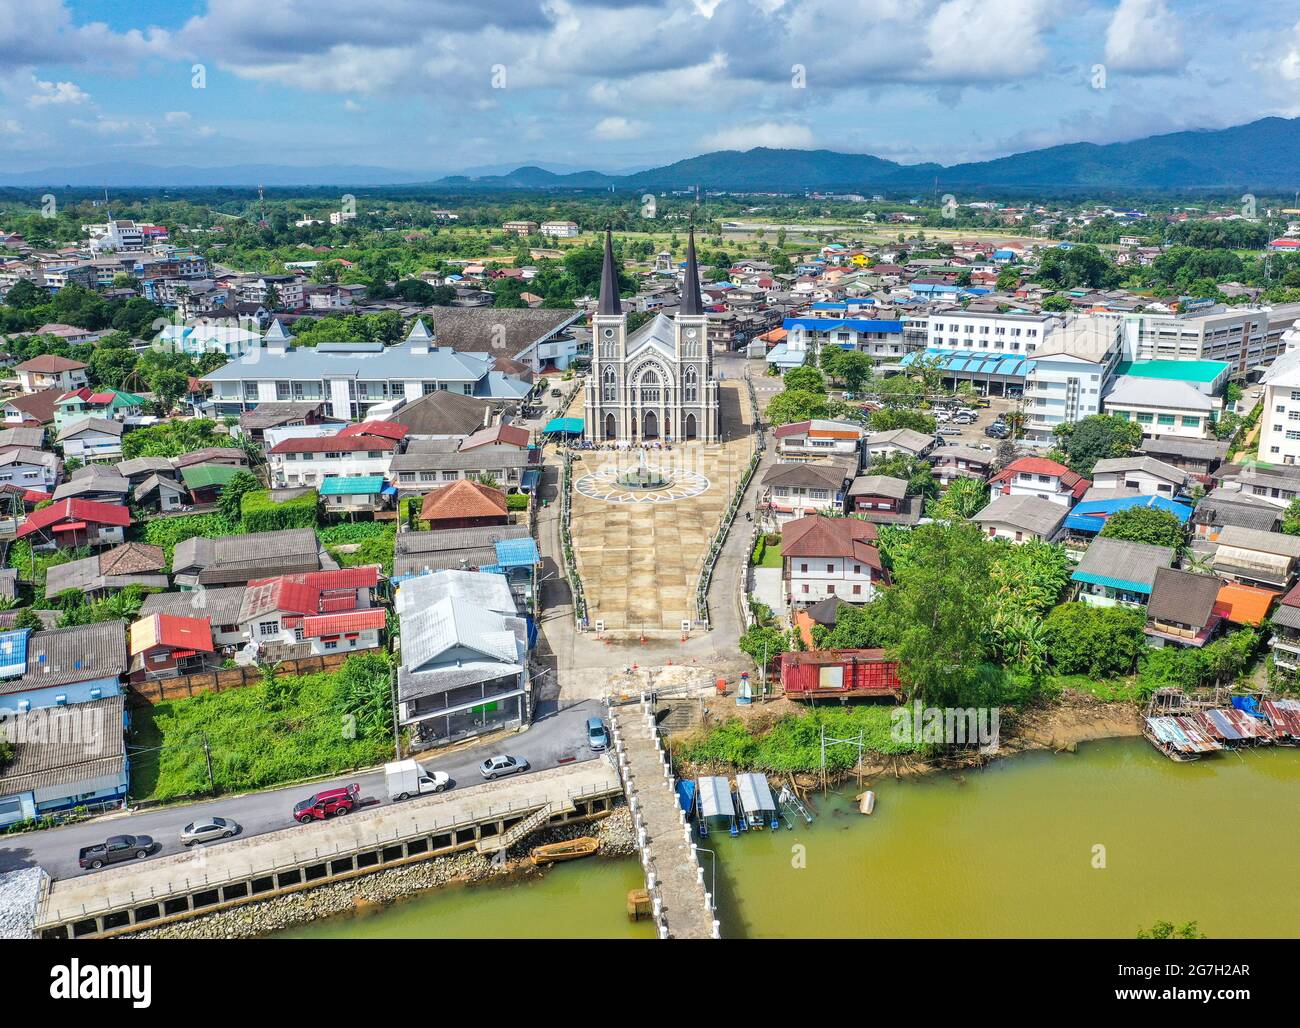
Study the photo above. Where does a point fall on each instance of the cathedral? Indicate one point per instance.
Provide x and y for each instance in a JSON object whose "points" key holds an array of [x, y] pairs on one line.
{"points": [[656, 385]]}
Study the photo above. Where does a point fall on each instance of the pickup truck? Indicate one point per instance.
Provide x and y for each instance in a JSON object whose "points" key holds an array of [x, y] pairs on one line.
{"points": [[114, 849]]}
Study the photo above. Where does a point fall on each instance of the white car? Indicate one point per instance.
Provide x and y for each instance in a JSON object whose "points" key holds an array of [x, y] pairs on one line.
{"points": [[502, 765], [208, 828]]}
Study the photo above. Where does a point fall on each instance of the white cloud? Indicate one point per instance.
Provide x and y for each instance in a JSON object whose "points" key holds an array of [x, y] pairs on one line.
{"points": [[776, 135], [618, 128], [56, 93], [1289, 65], [177, 117], [973, 40], [1144, 38]]}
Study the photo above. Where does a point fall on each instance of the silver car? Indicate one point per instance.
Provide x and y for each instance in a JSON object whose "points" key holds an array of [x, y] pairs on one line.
{"points": [[501, 765], [207, 829]]}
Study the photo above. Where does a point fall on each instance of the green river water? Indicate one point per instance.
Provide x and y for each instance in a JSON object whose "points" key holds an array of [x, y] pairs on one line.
{"points": [[1008, 850]]}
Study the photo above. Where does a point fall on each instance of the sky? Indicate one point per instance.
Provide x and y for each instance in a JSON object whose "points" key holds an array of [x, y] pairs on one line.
{"points": [[614, 85]]}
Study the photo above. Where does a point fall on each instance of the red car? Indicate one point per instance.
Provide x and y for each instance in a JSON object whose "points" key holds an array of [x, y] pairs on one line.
{"points": [[330, 803]]}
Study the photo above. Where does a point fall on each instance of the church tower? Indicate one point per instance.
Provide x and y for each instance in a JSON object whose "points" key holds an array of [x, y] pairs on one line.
{"points": [[699, 402], [607, 413]]}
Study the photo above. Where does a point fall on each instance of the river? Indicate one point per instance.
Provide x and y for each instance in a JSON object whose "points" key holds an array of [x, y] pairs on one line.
{"points": [[1094, 844]]}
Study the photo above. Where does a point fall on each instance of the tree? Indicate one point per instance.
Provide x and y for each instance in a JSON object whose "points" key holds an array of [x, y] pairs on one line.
{"points": [[915, 471], [1057, 302], [111, 366], [1097, 437], [1291, 518], [857, 627], [794, 405], [759, 642], [806, 379], [962, 500], [1146, 525], [889, 418], [1099, 641], [232, 495], [1168, 930], [855, 370]]}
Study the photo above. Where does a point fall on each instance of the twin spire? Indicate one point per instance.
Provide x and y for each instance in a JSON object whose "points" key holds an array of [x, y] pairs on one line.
{"points": [[609, 301]]}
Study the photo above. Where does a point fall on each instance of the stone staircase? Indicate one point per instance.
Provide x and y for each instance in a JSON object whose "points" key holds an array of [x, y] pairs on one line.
{"points": [[526, 827], [682, 715]]}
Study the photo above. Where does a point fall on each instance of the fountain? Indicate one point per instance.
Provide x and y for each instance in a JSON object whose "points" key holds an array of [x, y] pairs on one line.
{"points": [[644, 477]]}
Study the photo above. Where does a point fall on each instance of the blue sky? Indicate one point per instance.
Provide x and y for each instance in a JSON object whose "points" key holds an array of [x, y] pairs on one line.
{"points": [[445, 85]]}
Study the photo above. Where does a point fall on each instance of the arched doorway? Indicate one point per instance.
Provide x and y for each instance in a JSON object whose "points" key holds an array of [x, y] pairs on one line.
{"points": [[611, 427], [651, 426], [690, 426]]}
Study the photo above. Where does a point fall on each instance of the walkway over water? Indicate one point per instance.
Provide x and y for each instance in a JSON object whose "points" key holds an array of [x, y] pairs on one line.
{"points": [[681, 905]]}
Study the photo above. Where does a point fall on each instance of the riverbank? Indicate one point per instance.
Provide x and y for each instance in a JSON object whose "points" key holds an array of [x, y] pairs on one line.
{"points": [[1060, 724], [376, 891]]}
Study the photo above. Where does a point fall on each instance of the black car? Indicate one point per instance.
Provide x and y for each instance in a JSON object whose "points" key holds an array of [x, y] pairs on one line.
{"points": [[115, 849]]}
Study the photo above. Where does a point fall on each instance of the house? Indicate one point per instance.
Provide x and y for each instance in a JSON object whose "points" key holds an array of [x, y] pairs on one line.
{"points": [[73, 522], [65, 758], [953, 462], [255, 423], [427, 463], [488, 590], [1200, 458], [1285, 642], [204, 482], [1252, 557], [30, 469], [1021, 518], [362, 449], [464, 504], [21, 439], [466, 549], [49, 371], [884, 501], [104, 404], [1222, 507], [159, 492], [1244, 604], [1167, 407], [443, 415], [819, 438], [1181, 609], [464, 672], [106, 572], [498, 437], [823, 557], [899, 440], [807, 487], [277, 614], [169, 645], [239, 559], [1038, 476], [92, 439], [1145, 474], [219, 606], [1089, 516], [231, 455], [61, 666], [1277, 483], [30, 410], [1116, 571], [99, 482], [353, 494]]}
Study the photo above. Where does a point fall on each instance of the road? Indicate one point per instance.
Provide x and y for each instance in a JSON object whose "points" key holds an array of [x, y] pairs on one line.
{"points": [[559, 734]]}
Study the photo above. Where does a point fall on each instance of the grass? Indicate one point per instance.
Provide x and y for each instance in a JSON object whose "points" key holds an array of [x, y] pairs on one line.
{"points": [[1110, 690], [771, 556], [257, 738]]}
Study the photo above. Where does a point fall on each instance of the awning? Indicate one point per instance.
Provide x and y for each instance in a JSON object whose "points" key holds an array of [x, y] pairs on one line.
{"points": [[564, 426], [755, 794], [69, 526]]}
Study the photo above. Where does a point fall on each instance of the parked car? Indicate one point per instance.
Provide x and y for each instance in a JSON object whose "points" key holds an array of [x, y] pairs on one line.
{"points": [[407, 778], [501, 765], [207, 829], [597, 736], [329, 803], [945, 430], [997, 430], [963, 419], [114, 850]]}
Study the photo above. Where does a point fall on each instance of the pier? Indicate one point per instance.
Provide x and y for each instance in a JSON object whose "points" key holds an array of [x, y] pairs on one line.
{"points": [[488, 818], [680, 903]]}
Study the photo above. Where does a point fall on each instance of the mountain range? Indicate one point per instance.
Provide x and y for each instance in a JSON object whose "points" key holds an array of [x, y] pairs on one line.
{"points": [[1261, 156]]}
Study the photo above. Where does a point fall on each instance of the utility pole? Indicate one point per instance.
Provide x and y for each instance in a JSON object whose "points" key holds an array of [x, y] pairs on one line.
{"points": [[392, 693], [207, 756]]}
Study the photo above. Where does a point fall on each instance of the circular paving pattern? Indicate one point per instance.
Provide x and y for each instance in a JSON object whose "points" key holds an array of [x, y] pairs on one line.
{"points": [[604, 485]]}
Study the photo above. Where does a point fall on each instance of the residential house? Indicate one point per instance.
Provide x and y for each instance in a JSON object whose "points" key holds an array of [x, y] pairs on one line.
{"points": [[277, 614], [1248, 605], [92, 439], [808, 487], [1182, 608], [1144, 474], [1164, 407], [899, 440], [219, 605], [1277, 483], [61, 666], [1200, 458], [30, 469], [1116, 571], [160, 492], [362, 449], [1252, 557], [264, 416], [464, 672], [204, 482], [883, 500], [1285, 642], [104, 405], [1021, 518], [823, 557], [1038, 476], [427, 463], [1222, 507], [171, 645], [953, 462], [30, 410], [239, 559], [354, 494], [65, 758], [49, 372], [1089, 516], [465, 549], [820, 438], [109, 571], [99, 482], [464, 504], [74, 522], [443, 415]]}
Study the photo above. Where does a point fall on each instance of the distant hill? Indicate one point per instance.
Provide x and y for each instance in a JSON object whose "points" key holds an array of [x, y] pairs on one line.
{"points": [[123, 176]]}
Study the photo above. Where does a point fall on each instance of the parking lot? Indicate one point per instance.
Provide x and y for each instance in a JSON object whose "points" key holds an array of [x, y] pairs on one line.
{"points": [[973, 434]]}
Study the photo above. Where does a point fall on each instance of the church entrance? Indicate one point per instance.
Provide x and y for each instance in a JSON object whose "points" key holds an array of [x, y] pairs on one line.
{"points": [[651, 426], [690, 426], [611, 427]]}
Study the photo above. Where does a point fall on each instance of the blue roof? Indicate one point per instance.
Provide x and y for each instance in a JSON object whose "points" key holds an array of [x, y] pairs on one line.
{"points": [[783, 357], [517, 553], [13, 652], [573, 426], [976, 362], [856, 324], [1091, 515], [351, 485], [1122, 584]]}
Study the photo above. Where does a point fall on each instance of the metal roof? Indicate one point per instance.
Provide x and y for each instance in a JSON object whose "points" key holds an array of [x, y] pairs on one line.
{"points": [[715, 797], [755, 794], [351, 485], [517, 553], [13, 652]]}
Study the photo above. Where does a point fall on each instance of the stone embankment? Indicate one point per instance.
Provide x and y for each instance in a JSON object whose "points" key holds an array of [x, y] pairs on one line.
{"points": [[253, 919]]}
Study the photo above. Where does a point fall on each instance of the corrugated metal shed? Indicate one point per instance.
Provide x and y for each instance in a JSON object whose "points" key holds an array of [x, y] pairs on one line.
{"points": [[715, 797], [755, 794]]}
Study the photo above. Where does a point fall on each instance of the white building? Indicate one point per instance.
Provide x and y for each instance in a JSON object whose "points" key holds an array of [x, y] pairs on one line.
{"points": [[216, 337], [1021, 518], [1072, 369], [1279, 425], [1164, 407], [560, 229], [1147, 475], [1239, 336], [92, 439], [978, 330]]}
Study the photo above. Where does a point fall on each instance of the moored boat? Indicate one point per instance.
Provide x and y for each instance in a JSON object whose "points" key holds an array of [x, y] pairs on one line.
{"points": [[572, 849]]}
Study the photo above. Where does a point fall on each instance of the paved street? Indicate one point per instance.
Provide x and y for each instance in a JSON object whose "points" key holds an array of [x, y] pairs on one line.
{"points": [[557, 735]]}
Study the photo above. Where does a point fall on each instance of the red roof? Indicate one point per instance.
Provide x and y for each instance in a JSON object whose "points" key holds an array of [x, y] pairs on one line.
{"points": [[463, 499], [1071, 480], [185, 633], [817, 536], [75, 510], [334, 443], [384, 429], [337, 624], [511, 434]]}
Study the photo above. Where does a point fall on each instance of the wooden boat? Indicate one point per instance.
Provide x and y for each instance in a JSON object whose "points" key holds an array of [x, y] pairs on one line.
{"points": [[867, 802], [554, 852]]}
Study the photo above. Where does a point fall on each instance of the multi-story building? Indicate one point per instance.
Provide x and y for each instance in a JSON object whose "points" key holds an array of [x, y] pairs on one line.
{"points": [[823, 557], [356, 450], [1071, 371], [559, 229], [521, 228], [1239, 336], [1279, 425], [49, 371]]}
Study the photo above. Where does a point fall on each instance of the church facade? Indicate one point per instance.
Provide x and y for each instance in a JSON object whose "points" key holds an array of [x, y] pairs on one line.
{"points": [[656, 385]]}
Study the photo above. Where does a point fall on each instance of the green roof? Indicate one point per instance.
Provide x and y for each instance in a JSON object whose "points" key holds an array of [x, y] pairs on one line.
{"points": [[351, 485], [198, 476], [1182, 371]]}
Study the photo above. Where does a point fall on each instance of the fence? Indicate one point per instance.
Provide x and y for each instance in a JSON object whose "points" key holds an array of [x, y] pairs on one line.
{"points": [[156, 690], [566, 545]]}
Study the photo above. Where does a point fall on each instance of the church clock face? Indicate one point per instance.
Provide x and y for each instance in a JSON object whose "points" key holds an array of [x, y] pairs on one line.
{"points": [[609, 333], [690, 333]]}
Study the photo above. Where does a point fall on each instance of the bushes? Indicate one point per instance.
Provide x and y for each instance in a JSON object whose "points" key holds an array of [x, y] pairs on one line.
{"points": [[1098, 641], [517, 501], [1218, 663], [167, 532], [262, 514]]}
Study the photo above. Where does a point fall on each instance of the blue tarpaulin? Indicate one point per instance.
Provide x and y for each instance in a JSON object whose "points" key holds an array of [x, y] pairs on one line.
{"points": [[564, 426]]}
